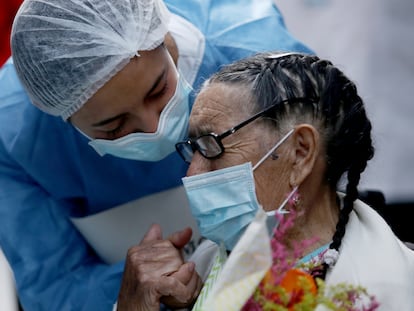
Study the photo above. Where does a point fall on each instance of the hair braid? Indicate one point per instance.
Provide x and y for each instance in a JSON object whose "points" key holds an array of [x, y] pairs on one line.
{"points": [[349, 144]]}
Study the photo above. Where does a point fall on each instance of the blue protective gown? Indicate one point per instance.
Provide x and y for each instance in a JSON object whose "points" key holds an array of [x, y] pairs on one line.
{"points": [[48, 172]]}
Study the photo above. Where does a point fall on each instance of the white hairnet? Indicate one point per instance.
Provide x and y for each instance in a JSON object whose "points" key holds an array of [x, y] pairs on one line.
{"points": [[65, 50]]}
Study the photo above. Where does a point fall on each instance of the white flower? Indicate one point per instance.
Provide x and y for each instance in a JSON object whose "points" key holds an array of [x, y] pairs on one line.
{"points": [[330, 257]]}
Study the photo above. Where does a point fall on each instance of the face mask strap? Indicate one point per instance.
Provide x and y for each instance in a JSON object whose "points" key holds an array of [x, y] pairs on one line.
{"points": [[273, 149], [280, 210], [81, 132]]}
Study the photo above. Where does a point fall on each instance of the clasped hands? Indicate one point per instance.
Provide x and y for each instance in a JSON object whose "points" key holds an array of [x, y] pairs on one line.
{"points": [[155, 272]]}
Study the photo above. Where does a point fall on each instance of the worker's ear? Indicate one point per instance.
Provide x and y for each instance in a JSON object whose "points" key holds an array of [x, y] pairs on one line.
{"points": [[171, 46], [305, 141]]}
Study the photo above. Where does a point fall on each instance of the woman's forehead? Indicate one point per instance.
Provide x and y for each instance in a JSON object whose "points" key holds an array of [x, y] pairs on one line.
{"points": [[218, 107], [223, 99]]}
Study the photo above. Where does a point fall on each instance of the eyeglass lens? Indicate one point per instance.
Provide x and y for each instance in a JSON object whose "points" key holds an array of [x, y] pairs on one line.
{"points": [[208, 146], [185, 150]]}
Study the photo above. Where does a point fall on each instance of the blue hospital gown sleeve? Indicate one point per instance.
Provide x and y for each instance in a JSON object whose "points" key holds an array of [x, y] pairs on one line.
{"points": [[55, 267]]}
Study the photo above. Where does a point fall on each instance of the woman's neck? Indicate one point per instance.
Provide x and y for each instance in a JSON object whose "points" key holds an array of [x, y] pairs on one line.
{"points": [[317, 219]]}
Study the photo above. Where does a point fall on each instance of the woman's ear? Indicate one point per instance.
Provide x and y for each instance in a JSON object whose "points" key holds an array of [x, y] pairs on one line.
{"points": [[306, 146]]}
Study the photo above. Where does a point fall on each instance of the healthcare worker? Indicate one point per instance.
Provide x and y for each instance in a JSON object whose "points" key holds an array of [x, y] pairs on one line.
{"points": [[97, 94]]}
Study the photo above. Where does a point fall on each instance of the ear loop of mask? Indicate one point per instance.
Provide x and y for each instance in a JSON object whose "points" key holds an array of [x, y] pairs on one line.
{"points": [[273, 149], [81, 132], [272, 222]]}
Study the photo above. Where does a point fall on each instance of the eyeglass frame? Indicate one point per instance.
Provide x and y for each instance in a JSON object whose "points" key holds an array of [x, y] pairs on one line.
{"points": [[219, 137]]}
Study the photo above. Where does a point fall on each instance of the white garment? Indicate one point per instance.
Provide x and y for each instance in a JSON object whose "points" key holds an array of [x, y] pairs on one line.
{"points": [[371, 256], [8, 295], [112, 232]]}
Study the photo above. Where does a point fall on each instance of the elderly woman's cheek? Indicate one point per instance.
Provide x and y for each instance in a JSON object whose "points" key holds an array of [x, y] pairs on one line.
{"points": [[198, 165]]}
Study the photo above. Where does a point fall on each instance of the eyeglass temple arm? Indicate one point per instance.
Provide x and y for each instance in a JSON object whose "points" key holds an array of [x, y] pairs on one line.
{"points": [[240, 125], [259, 114]]}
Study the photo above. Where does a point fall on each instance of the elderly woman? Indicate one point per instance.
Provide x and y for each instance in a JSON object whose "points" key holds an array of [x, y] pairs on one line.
{"points": [[278, 125]]}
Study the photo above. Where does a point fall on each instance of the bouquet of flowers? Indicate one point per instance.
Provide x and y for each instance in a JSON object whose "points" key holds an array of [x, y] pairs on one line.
{"points": [[262, 274]]}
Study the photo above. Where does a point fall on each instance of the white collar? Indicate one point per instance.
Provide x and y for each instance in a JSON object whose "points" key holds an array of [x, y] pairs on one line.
{"points": [[373, 257]]}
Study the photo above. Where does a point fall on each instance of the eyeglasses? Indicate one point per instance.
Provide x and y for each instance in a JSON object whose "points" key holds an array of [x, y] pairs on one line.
{"points": [[210, 145]]}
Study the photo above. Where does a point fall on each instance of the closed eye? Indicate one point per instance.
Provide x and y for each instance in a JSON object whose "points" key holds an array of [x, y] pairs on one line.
{"points": [[159, 94], [115, 133]]}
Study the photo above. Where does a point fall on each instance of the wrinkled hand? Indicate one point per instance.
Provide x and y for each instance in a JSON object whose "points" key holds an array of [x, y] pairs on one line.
{"points": [[155, 271], [187, 275]]}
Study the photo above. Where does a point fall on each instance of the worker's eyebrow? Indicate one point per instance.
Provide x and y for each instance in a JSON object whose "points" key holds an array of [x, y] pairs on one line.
{"points": [[200, 130]]}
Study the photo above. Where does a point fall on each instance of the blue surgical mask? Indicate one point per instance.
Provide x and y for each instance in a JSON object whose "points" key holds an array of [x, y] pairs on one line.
{"points": [[172, 127], [224, 201]]}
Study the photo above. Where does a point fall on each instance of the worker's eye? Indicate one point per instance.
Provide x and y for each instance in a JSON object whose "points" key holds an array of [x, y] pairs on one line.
{"points": [[159, 93], [115, 133]]}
